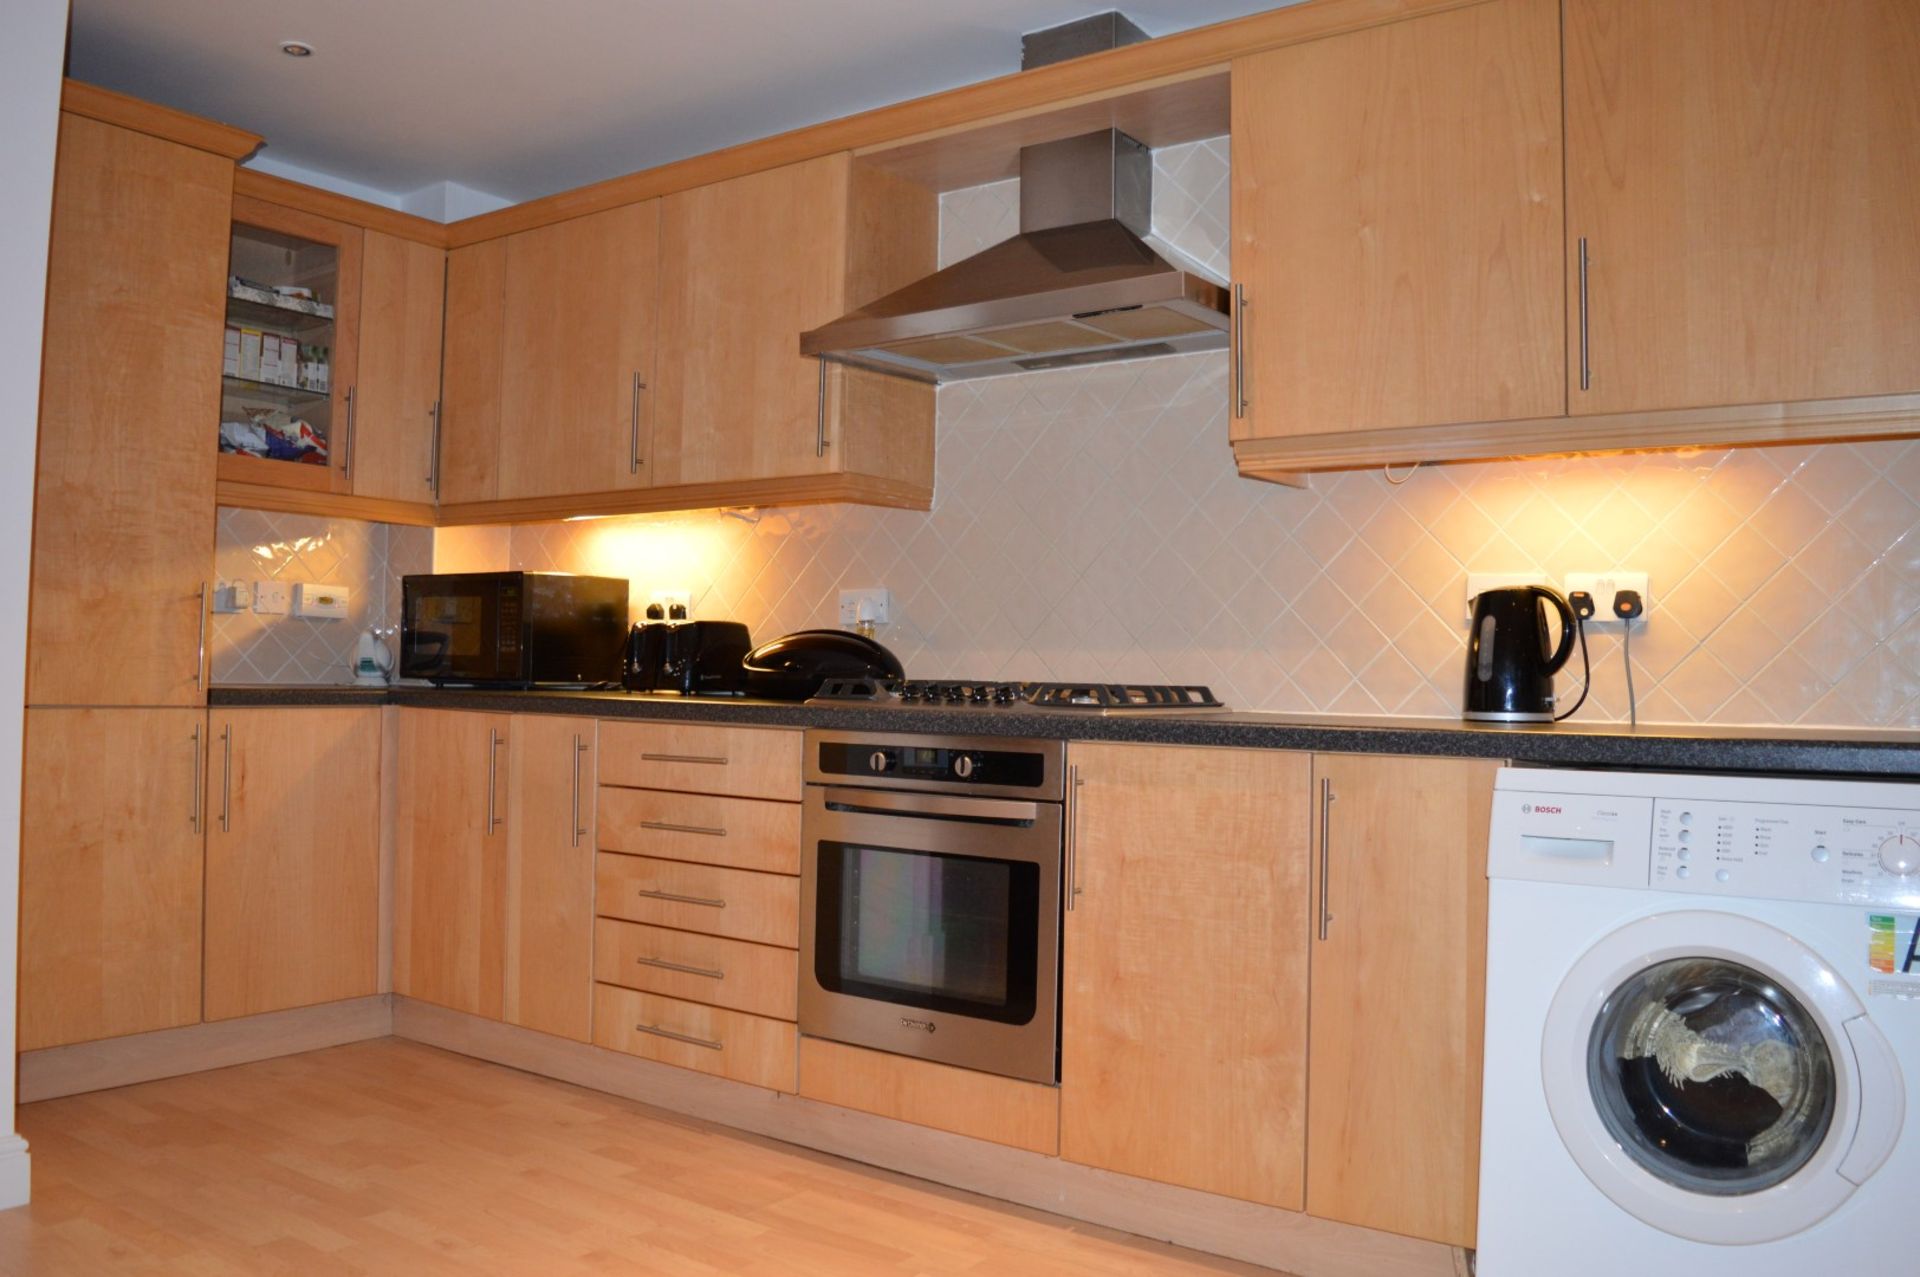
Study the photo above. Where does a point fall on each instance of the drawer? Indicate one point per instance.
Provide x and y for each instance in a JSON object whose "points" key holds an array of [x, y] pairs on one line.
{"points": [[1002, 1109], [741, 833], [746, 762], [682, 964], [764, 908], [729, 1044]]}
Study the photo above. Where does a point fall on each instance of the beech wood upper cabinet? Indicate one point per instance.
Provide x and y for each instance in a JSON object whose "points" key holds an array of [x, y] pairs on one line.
{"points": [[450, 866], [1399, 975], [110, 871], [402, 297], [136, 299], [1397, 225], [577, 364], [1745, 175], [746, 266], [549, 903], [1184, 1002], [476, 334], [293, 858]]}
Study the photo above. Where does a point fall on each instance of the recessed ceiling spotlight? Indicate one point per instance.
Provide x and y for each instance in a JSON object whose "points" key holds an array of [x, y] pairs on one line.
{"points": [[296, 48]]}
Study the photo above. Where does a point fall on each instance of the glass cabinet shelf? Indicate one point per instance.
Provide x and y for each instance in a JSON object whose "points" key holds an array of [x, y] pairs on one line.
{"points": [[272, 392]]}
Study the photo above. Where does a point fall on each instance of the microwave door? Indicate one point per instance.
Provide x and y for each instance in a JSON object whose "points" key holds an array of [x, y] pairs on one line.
{"points": [[451, 635]]}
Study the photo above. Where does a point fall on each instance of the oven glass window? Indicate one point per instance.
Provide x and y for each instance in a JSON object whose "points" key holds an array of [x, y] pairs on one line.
{"points": [[930, 930]]}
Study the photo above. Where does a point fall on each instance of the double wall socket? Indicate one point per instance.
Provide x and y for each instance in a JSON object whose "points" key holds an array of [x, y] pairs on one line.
{"points": [[1602, 585], [857, 606]]}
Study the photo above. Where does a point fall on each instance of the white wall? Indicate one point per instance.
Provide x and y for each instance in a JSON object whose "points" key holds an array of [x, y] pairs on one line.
{"points": [[30, 61]]}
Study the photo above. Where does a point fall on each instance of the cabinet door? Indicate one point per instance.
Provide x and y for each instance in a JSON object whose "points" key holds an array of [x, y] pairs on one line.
{"points": [[1397, 224], [1399, 976], [397, 405], [579, 355], [293, 858], [549, 944], [476, 348], [1184, 1003], [110, 868], [450, 869], [747, 265], [130, 392], [1744, 174]]}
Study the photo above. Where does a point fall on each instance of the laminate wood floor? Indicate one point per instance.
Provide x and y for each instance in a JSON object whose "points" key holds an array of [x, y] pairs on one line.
{"points": [[388, 1157]]}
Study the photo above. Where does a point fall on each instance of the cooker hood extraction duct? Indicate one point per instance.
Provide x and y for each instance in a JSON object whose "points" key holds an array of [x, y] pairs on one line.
{"points": [[1078, 284]]}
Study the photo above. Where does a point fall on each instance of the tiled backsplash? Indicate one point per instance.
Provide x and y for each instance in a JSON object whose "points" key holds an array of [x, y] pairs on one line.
{"points": [[367, 558]]}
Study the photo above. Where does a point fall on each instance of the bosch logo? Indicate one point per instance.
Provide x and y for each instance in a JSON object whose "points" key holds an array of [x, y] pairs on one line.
{"points": [[1540, 809], [925, 1025]]}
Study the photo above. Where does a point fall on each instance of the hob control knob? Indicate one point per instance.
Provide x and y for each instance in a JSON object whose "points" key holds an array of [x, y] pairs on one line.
{"points": [[878, 760], [963, 766], [1900, 854], [981, 693]]}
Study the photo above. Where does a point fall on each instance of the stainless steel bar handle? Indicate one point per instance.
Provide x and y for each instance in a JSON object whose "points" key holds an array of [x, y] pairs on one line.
{"points": [[820, 414], [1073, 842], [198, 787], [578, 749], [433, 447], [719, 760], [200, 659], [1326, 815], [678, 1037], [679, 899], [346, 449], [882, 802], [1586, 361], [1239, 352], [669, 827], [493, 773], [633, 427], [226, 778], [664, 965]]}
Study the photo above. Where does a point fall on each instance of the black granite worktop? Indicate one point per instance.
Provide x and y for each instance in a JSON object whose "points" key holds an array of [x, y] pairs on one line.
{"points": [[1825, 752]]}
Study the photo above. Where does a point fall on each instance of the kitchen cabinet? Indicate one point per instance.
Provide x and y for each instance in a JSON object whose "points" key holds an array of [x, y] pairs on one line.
{"points": [[1184, 997], [476, 334], [549, 894], [1397, 225], [1742, 175], [397, 407], [292, 858], [450, 869], [575, 403], [1399, 975], [130, 388], [110, 872]]}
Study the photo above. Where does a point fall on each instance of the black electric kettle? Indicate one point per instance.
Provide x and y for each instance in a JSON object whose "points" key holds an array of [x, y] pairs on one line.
{"points": [[1511, 658]]}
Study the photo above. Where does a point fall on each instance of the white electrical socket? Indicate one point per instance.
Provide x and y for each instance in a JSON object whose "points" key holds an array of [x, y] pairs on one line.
{"points": [[231, 596], [272, 598], [1603, 586], [668, 599], [865, 605]]}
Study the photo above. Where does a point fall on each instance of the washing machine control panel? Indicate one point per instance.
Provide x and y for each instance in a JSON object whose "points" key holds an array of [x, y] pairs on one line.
{"points": [[1851, 855]]}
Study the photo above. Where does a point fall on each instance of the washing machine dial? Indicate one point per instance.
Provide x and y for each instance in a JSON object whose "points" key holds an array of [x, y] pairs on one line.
{"points": [[1900, 855]]}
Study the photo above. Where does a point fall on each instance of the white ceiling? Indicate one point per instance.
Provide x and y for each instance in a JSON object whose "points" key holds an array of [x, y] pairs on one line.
{"points": [[521, 98]]}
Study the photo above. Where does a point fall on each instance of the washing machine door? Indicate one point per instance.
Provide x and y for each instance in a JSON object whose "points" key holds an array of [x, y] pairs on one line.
{"points": [[1717, 1078]]}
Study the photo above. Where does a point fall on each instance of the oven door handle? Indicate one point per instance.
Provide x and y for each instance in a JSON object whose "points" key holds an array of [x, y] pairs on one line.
{"points": [[998, 811]]}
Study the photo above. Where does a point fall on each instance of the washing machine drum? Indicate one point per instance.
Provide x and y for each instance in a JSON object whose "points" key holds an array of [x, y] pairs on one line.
{"points": [[1714, 1077]]}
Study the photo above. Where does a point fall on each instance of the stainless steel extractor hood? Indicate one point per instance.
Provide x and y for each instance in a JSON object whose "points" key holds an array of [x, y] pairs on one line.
{"points": [[1078, 285]]}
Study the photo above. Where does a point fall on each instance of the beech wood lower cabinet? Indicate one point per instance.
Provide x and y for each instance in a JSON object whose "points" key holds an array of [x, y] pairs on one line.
{"points": [[549, 898], [110, 872], [293, 858], [1184, 1002], [1399, 980]]}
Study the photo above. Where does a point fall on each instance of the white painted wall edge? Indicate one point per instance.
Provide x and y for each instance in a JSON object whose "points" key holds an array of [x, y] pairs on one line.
{"points": [[31, 60], [439, 201]]}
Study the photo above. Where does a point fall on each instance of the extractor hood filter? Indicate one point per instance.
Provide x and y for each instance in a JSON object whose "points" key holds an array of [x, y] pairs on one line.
{"points": [[1078, 284]]}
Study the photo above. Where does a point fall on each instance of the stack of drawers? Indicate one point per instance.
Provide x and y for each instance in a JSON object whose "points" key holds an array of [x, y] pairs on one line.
{"points": [[698, 896]]}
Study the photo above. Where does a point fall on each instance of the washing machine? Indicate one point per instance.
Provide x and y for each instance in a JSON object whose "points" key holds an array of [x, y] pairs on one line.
{"points": [[1703, 1026]]}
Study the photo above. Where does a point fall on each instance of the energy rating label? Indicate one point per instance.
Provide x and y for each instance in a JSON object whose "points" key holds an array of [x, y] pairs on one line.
{"points": [[1893, 954]]}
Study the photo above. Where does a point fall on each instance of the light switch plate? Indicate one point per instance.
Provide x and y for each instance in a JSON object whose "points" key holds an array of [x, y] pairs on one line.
{"points": [[317, 602], [272, 598]]}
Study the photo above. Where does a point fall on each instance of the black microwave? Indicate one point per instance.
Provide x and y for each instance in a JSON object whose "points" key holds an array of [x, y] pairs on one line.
{"points": [[513, 629]]}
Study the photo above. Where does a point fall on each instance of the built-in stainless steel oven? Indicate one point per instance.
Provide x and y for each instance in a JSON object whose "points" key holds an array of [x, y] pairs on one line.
{"points": [[930, 898]]}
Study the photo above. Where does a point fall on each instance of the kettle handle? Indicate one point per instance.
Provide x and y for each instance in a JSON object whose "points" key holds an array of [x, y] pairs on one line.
{"points": [[1567, 625]]}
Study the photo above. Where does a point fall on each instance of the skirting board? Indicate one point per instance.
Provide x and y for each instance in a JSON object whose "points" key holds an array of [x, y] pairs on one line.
{"points": [[1286, 1240], [142, 1057]]}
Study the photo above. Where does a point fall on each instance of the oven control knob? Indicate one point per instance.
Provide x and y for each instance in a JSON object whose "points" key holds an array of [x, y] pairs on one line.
{"points": [[878, 760], [963, 766], [1900, 854]]}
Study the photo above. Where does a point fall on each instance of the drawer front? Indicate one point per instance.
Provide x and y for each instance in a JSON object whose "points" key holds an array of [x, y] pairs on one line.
{"points": [[742, 833], [729, 1044], [763, 908], [681, 964], [745, 762], [1002, 1109]]}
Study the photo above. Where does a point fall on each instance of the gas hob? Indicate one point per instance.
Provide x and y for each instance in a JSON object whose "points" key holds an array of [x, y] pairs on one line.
{"points": [[1084, 698]]}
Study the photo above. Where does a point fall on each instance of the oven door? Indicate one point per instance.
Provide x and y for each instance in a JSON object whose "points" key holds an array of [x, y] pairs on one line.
{"points": [[930, 926]]}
